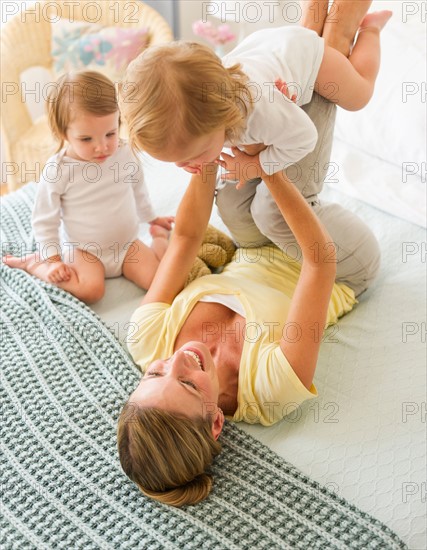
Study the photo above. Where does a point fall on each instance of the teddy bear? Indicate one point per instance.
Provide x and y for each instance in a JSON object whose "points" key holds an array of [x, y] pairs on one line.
{"points": [[216, 250]]}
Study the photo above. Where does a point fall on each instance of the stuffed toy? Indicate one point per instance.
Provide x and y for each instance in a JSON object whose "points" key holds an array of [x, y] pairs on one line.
{"points": [[216, 250]]}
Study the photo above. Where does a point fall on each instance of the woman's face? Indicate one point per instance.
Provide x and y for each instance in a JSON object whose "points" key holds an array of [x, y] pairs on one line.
{"points": [[186, 383]]}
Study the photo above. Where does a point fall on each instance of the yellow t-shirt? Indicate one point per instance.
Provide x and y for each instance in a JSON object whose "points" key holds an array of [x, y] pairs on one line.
{"points": [[263, 279]]}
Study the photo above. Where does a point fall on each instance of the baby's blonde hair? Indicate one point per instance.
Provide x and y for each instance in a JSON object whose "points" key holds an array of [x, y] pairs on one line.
{"points": [[181, 91], [167, 455], [84, 91]]}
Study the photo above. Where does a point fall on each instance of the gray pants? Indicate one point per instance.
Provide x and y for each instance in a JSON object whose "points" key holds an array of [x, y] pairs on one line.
{"points": [[254, 219]]}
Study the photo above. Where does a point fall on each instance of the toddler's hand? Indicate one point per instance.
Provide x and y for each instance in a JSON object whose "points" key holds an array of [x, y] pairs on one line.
{"points": [[157, 231], [241, 167], [283, 87], [58, 272], [193, 169], [165, 222]]}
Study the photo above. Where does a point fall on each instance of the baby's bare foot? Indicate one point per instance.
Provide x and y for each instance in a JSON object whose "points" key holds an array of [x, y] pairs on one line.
{"points": [[24, 262], [375, 20], [157, 231], [49, 271]]}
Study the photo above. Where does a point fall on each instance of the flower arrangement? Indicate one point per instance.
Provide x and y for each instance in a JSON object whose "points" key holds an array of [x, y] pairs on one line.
{"points": [[217, 36]]}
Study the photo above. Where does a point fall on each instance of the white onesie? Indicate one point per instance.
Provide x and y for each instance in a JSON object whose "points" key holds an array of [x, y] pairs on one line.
{"points": [[96, 207], [293, 54]]}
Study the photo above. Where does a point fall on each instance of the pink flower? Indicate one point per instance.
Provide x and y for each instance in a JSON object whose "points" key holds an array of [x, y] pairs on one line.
{"points": [[127, 44], [224, 34], [214, 35]]}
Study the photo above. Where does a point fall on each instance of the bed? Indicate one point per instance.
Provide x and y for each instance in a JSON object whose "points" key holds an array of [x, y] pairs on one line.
{"points": [[353, 459], [358, 451], [364, 437]]}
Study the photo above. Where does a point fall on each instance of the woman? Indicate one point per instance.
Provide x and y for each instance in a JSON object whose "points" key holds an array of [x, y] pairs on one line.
{"points": [[243, 343]]}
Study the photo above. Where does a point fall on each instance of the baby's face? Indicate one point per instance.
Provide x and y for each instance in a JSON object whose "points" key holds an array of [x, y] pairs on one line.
{"points": [[92, 138], [192, 155]]}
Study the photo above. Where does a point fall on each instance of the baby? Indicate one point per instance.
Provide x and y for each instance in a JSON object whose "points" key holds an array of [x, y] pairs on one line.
{"points": [[91, 197], [184, 105]]}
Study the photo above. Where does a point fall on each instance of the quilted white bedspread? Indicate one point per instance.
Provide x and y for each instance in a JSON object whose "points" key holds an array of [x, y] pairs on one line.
{"points": [[364, 436]]}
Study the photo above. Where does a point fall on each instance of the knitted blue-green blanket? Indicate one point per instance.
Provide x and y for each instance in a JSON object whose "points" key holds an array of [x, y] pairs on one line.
{"points": [[64, 379]]}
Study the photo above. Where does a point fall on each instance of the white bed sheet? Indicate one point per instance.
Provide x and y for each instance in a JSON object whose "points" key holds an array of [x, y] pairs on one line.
{"points": [[381, 184], [364, 437]]}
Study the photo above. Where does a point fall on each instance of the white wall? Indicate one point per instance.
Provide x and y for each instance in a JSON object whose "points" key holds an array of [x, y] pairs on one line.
{"points": [[169, 9]]}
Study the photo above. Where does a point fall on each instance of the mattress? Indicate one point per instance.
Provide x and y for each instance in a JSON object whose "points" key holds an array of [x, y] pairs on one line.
{"points": [[364, 436]]}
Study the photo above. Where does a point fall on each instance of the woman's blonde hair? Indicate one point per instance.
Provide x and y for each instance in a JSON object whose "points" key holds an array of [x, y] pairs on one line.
{"points": [[85, 91], [181, 90], [167, 455]]}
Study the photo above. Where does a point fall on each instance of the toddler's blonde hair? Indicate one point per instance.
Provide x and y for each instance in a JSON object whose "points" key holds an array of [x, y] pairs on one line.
{"points": [[84, 91], [180, 91]]}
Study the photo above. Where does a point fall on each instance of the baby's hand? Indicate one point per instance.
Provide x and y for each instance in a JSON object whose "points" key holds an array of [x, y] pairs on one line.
{"points": [[283, 87], [58, 272], [193, 169], [165, 222], [241, 167], [157, 231]]}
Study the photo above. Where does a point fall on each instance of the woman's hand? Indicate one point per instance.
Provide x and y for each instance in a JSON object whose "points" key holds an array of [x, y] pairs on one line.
{"points": [[165, 222], [240, 167]]}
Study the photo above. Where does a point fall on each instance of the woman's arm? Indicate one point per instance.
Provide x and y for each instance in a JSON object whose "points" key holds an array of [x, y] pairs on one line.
{"points": [[309, 306], [190, 225]]}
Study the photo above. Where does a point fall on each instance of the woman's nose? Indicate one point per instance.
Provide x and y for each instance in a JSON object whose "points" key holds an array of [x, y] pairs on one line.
{"points": [[178, 363]]}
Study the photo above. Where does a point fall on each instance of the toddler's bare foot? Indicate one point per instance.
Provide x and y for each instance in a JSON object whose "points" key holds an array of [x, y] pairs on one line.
{"points": [[375, 20], [157, 231], [27, 263], [51, 272]]}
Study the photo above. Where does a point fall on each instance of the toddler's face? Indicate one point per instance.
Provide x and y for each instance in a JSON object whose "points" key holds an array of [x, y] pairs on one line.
{"points": [[92, 138], [192, 155]]}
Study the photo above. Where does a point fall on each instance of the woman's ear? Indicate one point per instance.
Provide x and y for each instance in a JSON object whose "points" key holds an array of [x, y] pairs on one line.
{"points": [[218, 423]]}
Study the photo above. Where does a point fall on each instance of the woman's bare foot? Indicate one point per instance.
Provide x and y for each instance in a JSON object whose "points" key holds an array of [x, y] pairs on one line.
{"points": [[375, 20], [342, 23], [314, 13], [159, 232]]}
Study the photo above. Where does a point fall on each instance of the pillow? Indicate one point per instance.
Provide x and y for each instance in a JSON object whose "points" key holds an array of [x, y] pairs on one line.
{"points": [[387, 139], [85, 46]]}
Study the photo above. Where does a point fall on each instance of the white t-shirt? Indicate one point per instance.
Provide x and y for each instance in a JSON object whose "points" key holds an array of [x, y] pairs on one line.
{"points": [[293, 54], [84, 202]]}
